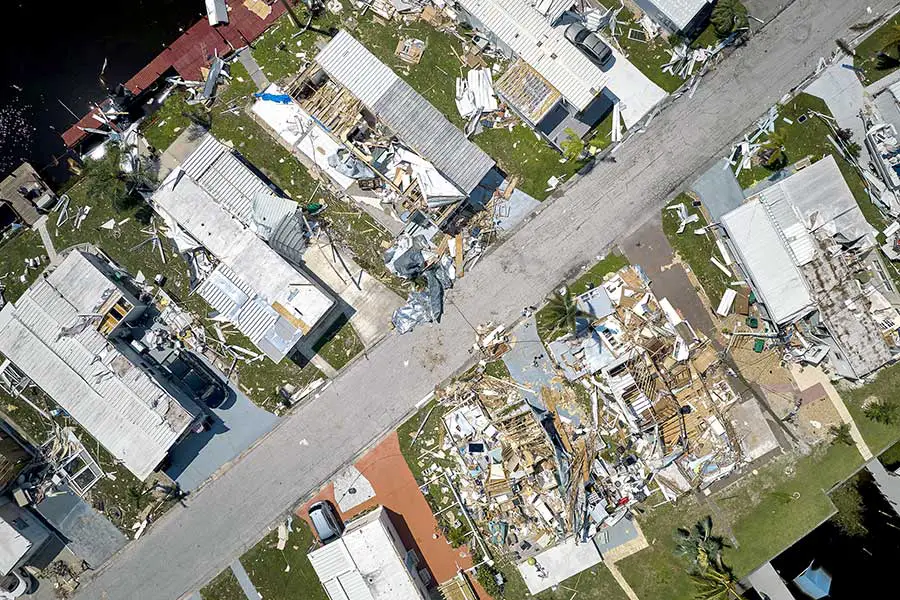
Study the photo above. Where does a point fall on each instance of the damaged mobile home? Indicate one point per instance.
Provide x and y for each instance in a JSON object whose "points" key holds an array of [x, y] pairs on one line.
{"points": [[69, 335], [394, 150], [811, 258], [222, 214]]}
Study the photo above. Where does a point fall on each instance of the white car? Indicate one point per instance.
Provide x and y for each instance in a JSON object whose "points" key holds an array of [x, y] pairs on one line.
{"points": [[14, 585]]}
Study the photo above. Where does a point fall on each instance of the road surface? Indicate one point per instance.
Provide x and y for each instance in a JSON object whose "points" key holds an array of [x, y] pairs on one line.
{"points": [[192, 544]]}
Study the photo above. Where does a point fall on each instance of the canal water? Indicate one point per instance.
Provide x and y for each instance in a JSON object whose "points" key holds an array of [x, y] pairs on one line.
{"points": [[53, 56]]}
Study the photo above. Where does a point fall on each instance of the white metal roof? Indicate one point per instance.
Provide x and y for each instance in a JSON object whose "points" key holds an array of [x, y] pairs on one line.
{"points": [[365, 563], [13, 546], [776, 279], [680, 12], [236, 187], [529, 34], [411, 117], [268, 300], [114, 400]]}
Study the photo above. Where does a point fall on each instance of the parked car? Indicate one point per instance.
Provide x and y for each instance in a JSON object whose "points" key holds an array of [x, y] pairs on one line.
{"points": [[326, 522], [589, 43], [16, 585]]}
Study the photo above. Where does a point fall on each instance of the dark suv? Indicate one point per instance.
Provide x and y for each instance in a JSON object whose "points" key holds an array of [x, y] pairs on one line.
{"points": [[589, 43]]}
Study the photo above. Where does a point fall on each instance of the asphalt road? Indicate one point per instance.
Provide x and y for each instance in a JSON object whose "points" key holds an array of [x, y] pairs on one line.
{"points": [[192, 544]]}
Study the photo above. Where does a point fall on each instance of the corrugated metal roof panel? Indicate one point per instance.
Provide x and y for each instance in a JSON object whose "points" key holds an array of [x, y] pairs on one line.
{"points": [[410, 116], [529, 35], [777, 280], [330, 560], [350, 64]]}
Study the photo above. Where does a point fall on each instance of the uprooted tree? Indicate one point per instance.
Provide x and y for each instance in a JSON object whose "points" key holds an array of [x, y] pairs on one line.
{"points": [[702, 550], [729, 16]]}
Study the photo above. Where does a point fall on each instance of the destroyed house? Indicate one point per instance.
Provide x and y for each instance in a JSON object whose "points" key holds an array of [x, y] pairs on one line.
{"points": [[216, 203], [807, 250], [67, 334], [680, 17], [555, 86], [383, 122]]}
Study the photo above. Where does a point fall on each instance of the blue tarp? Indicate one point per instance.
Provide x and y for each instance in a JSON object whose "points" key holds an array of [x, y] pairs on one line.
{"points": [[279, 98], [815, 583]]}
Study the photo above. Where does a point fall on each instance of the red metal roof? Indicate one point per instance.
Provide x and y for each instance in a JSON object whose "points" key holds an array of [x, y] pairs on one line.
{"points": [[149, 74], [75, 134], [192, 51]]}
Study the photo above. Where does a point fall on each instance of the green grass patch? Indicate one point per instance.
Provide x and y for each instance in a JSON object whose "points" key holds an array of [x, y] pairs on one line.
{"points": [[284, 574], [121, 244], [280, 53], [788, 510], [14, 249], [591, 278], [649, 57], [497, 368], [695, 250], [883, 387], [766, 513], [339, 344], [169, 121], [890, 458], [431, 437], [884, 39], [224, 587]]}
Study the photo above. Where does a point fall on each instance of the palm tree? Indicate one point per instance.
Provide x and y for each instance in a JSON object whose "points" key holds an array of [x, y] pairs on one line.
{"points": [[883, 412], [841, 434], [563, 312], [700, 547], [715, 584]]}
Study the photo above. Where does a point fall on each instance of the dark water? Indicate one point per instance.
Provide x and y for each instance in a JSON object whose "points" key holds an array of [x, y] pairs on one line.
{"points": [[862, 567], [54, 51]]}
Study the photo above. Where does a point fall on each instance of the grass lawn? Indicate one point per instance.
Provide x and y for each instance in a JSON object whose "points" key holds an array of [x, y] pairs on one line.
{"points": [[224, 587], [25, 243], [884, 387], [431, 436], [284, 574], [883, 39], [497, 368], [587, 280], [890, 458], [520, 152], [810, 138], [169, 121], [695, 250], [766, 513], [339, 344]]}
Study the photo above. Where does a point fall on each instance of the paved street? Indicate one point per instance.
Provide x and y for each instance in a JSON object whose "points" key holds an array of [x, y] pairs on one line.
{"points": [[191, 545]]}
